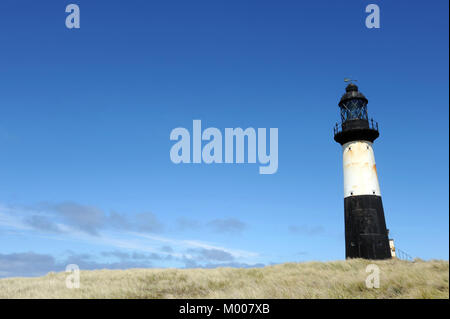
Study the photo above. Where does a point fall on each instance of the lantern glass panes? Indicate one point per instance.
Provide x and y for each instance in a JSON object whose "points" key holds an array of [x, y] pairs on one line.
{"points": [[355, 109]]}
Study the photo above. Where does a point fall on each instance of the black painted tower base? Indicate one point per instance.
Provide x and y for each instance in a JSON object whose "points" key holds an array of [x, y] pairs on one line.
{"points": [[366, 235]]}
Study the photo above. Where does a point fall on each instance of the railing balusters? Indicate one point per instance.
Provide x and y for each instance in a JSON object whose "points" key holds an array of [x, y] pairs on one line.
{"points": [[372, 125], [403, 255]]}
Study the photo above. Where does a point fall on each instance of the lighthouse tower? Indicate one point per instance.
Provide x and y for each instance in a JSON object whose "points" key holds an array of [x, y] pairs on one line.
{"points": [[366, 235]]}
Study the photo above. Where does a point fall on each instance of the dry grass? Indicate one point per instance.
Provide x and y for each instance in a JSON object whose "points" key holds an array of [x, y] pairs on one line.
{"points": [[339, 279]]}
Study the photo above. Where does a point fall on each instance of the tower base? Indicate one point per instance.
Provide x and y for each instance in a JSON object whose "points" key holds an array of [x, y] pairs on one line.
{"points": [[365, 228]]}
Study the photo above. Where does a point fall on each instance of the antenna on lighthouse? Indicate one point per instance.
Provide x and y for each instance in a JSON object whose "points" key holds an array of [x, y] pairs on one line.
{"points": [[349, 80]]}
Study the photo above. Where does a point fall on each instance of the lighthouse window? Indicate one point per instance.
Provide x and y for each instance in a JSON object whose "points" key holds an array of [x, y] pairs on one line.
{"points": [[354, 109]]}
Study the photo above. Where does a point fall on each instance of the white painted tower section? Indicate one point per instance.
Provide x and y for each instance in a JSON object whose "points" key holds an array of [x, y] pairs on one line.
{"points": [[360, 171]]}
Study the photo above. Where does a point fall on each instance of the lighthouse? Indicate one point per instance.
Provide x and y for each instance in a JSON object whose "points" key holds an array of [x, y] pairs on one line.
{"points": [[366, 235]]}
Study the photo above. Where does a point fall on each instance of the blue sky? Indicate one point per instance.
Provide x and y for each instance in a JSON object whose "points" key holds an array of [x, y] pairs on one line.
{"points": [[85, 119]]}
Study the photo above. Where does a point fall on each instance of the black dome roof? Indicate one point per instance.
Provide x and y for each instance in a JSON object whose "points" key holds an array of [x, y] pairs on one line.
{"points": [[351, 92]]}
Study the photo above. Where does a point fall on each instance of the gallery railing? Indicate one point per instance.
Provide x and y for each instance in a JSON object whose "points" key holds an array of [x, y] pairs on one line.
{"points": [[373, 125]]}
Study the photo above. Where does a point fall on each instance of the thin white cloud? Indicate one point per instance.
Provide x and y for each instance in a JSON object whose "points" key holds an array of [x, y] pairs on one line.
{"points": [[198, 244], [13, 218]]}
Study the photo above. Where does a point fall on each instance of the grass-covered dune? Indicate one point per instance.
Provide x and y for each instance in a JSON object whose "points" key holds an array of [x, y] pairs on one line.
{"points": [[339, 279]]}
